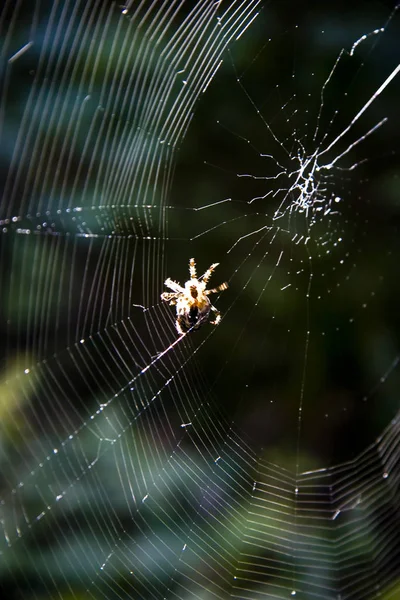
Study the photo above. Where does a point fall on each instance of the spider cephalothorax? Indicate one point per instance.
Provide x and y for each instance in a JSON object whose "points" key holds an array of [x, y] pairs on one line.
{"points": [[192, 303]]}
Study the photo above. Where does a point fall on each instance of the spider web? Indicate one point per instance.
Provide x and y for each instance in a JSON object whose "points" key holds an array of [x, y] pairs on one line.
{"points": [[259, 458]]}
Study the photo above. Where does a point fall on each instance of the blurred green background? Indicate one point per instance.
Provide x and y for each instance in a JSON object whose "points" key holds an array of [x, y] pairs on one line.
{"points": [[122, 481]]}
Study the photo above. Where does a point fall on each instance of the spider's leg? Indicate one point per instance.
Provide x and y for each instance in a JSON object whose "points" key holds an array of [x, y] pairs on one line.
{"points": [[192, 269], [208, 273], [178, 328], [170, 297], [174, 285], [217, 315], [220, 288]]}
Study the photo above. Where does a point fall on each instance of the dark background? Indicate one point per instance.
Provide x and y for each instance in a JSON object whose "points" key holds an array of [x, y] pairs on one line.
{"points": [[304, 378], [351, 312]]}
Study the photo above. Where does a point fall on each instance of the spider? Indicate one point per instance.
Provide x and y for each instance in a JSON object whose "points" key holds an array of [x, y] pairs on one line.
{"points": [[192, 304]]}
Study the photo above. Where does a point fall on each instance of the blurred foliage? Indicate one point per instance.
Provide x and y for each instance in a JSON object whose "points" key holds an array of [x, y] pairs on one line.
{"points": [[103, 475]]}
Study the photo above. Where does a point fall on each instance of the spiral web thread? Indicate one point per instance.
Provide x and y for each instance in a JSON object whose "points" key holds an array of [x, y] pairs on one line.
{"points": [[97, 382]]}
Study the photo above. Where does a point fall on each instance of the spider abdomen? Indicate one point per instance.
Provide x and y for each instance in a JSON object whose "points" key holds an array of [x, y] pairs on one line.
{"points": [[192, 319]]}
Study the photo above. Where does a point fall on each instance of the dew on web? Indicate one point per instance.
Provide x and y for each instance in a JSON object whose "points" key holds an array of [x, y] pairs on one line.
{"points": [[255, 458]]}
